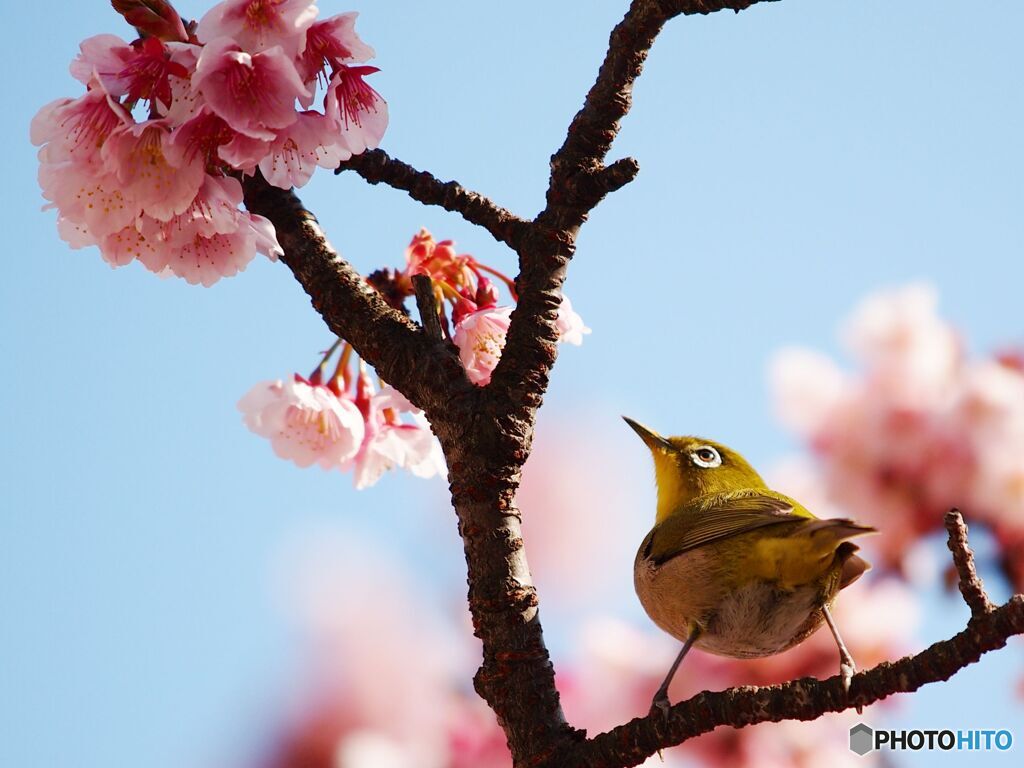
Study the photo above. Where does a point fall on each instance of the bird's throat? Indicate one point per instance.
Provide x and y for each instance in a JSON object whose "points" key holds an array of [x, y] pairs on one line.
{"points": [[673, 490]]}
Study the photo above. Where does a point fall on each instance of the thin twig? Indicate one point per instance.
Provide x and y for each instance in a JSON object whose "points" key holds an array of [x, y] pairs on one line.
{"points": [[971, 587], [377, 167], [426, 302], [579, 181]]}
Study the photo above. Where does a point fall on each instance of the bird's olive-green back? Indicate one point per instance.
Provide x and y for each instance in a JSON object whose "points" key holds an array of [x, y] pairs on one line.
{"points": [[721, 516]]}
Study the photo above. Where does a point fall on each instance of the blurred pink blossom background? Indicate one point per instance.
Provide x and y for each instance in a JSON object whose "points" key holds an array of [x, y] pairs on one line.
{"points": [[915, 427]]}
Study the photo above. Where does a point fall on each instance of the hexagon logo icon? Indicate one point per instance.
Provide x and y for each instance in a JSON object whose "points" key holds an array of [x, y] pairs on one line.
{"points": [[862, 739]]}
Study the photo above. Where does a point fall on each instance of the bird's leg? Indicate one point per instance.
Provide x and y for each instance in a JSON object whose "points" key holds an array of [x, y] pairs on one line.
{"points": [[847, 667], [660, 702]]}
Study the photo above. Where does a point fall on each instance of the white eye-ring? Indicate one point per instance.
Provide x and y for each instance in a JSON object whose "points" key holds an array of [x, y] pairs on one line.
{"points": [[706, 456]]}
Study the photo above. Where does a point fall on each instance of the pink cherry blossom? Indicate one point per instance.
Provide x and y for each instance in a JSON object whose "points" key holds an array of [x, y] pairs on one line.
{"points": [[201, 136], [919, 429], [135, 188], [103, 58], [185, 101], [390, 443], [152, 18], [137, 156], [480, 337], [213, 211], [990, 414], [571, 329], [123, 247], [90, 201], [254, 93], [74, 234], [257, 25], [806, 387], [77, 129], [306, 424], [192, 246], [149, 74], [142, 72], [311, 141], [332, 42], [904, 345], [358, 110]]}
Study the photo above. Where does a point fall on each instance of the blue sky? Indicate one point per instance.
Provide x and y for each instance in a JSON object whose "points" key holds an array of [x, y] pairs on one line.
{"points": [[793, 158]]}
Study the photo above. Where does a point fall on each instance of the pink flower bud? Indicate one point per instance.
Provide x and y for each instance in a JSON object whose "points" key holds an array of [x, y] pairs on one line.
{"points": [[462, 308], [156, 18], [486, 293]]}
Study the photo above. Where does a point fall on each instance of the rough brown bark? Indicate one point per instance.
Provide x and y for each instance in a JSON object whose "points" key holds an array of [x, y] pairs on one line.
{"points": [[486, 433]]}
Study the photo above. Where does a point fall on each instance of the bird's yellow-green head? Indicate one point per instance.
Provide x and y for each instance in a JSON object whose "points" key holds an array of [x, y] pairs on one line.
{"points": [[688, 467]]}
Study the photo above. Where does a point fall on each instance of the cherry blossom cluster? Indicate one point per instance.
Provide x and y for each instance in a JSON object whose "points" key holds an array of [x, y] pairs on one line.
{"points": [[920, 428], [146, 163], [461, 284], [342, 422], [339, 421]]}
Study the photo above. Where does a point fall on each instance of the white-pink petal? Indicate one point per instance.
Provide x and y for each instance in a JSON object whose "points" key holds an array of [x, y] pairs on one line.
{"points": [[205, 259], [571, 328], [264, 236], [103, 57], [480, 337], [305, 424], [75, 235], [260, 24], [123, 247], [255, 94], [909, 351], [147, 176], [312, 140], [359, 111], [331, 42], [806, 388], [77, 129], [95, 202]]}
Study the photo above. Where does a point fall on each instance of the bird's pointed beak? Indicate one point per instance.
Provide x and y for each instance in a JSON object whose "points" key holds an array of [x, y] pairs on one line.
{"points": [[649, 436]]}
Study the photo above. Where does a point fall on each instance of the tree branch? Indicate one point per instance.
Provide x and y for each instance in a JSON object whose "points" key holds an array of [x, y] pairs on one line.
{"points": [[377, 167], [808, 698], [971, 588], [516, 678], [426, 302], [579, 181]]}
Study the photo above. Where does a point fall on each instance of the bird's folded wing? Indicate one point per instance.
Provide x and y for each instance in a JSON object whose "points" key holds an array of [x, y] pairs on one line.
{"points": [[727, 516]]}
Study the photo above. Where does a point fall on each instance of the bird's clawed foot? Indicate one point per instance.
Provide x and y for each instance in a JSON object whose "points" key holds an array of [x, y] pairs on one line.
{"points": [[660, 704], [847, 666], [847, 669]]}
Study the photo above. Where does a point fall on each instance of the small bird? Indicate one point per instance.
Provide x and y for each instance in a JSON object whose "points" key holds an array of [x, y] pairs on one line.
{"points": [[733, 567]]}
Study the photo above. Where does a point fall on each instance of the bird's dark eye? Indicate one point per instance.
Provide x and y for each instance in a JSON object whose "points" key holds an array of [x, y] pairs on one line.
{"points": [[706, 456]]}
